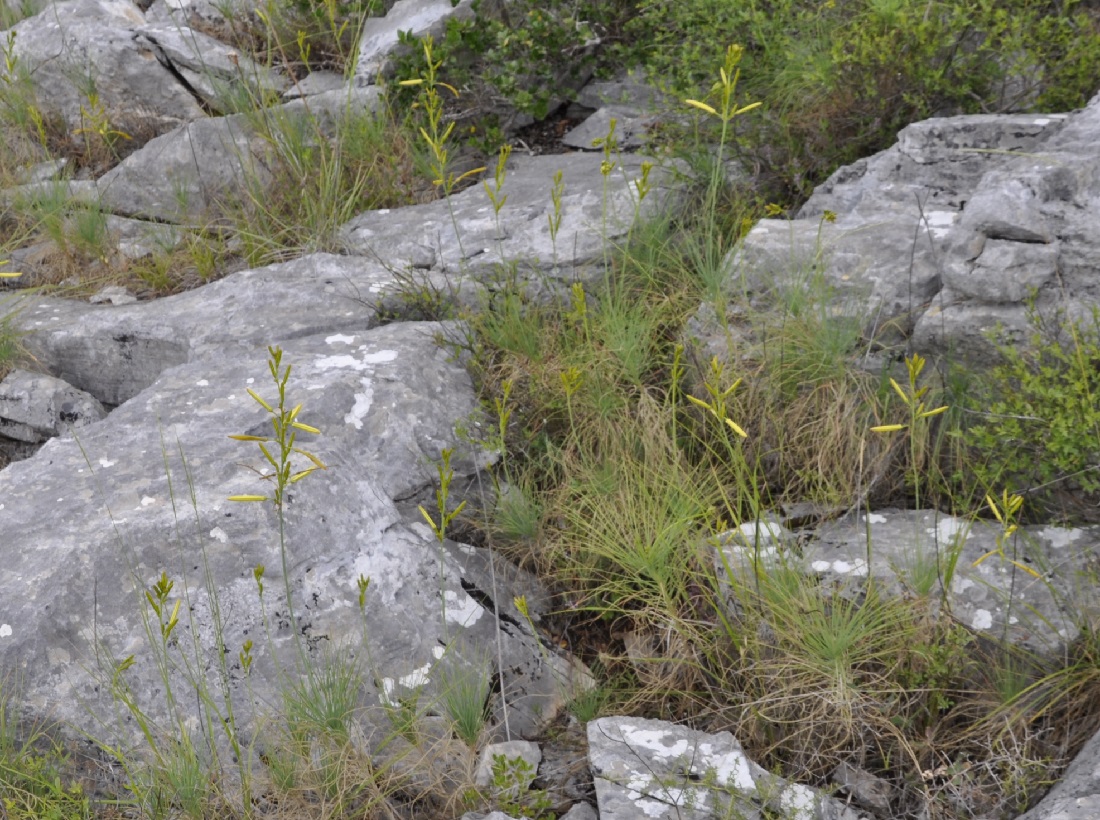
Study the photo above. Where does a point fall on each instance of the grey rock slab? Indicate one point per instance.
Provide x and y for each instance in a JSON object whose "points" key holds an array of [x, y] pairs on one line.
{"points": [[96, 40], [316, 82], [655, 769], [180, 176], [78, 191], [1006, 209], [870, 791], [1005, 271], [380, 35], [116, 352], [971, 330], [962, 182], [998, 597], [35, 407], [874, 271], [630, 129], [43, 171], [580, 811], [211, 67], [425, 237], [208, 12], [137, 238], [112, 294], [935, 162], [90, 525], [629, 94], [326, 109]]}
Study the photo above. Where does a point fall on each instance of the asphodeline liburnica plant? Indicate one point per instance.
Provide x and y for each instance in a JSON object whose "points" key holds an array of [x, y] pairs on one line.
{"points": [[610, 145], [717, 406], [279, 450], [724, 96], [913, 397], [724, 93], [496, 195], [442, 495], [554, 217], [437, 134], [1007, 516]]}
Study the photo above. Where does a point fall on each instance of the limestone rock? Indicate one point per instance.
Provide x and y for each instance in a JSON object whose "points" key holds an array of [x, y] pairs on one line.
{"points": [[97, 39], [912, 549], [423, 237], [35, 407], [380, 36], [650, 768]]}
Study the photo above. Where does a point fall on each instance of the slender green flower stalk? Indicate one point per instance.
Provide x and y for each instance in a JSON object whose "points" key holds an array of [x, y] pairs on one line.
{"points": [[442, 495], [913, 398], [724, 94], [1007, 516], [436, 134], [725, 91], [496, 197], [554, 219], [285, 429]]}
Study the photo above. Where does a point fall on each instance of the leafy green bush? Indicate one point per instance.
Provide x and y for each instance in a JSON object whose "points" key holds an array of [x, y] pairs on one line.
{"points": [[1037, 419], [528, 52], [840, 78]]}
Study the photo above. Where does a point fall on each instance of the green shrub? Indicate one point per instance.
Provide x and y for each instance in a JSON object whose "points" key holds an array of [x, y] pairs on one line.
{"points": [[839, 79], [1036, 421], [526, 51]]}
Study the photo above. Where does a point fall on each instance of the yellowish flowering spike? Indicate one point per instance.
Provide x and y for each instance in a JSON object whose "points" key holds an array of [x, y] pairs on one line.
{"points": [[991, 552], [887, 428], [259, 399], [708, 407], [320, 464], [731, 388], [248, 498], [1025, 568], [470, 173], [736, 429], [899, 391], [243, 437], [702, 106], [300, 426], [929, 413], [993, 507]]}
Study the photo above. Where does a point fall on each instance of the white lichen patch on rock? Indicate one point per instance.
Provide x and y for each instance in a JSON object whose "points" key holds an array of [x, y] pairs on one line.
{"points": [[461, 608], [982, 619], [1059, 537], [359, 410], [949, 528]]}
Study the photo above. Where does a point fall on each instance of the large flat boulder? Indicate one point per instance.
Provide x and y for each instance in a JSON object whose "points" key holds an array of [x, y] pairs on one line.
{"points": [[91, 522], [464, 237], [146, 78], [949, 235]]}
